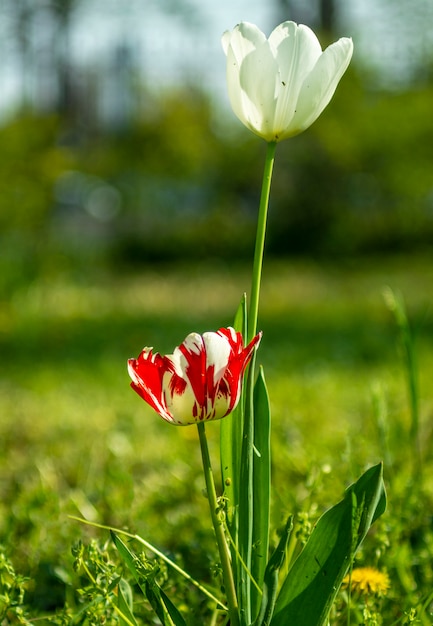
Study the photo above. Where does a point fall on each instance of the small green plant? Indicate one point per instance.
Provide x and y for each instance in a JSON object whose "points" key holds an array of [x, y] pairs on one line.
{"points": [[13, 587]]}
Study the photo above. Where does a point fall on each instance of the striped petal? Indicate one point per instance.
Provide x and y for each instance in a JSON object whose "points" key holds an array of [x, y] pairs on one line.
{"points": [[147, 373]]}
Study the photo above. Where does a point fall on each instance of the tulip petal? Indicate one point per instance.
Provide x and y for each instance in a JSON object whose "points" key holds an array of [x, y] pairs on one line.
{"points": [[147, 374], [218, 353], [257, 79], [297, 50], [189, 362], [244, 41], [319, 86], [180, 400]]}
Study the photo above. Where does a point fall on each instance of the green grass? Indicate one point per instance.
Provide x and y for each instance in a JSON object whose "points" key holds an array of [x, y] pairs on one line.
{"points": [[75, 440]]}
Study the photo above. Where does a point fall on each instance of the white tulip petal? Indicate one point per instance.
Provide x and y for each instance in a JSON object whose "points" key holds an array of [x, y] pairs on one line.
{"points": [[225, 40], [243, 39], [180, 405], [239, 45], [221, 406], [320, 85], [297, 50], [218, 351], [236, 94], [258, 75]]}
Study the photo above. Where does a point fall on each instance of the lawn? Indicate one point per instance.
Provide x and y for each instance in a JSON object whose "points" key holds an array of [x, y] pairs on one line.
{"points": [[76, 441]]}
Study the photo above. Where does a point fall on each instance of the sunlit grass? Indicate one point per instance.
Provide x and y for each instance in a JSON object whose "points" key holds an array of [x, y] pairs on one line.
{"points": [[75, 440]]}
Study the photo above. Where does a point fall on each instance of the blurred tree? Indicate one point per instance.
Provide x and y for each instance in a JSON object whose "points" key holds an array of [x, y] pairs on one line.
{"points": [[327, 15], [61, 12], [40, 32], [188, 11], [20, 14], [320, 14]]}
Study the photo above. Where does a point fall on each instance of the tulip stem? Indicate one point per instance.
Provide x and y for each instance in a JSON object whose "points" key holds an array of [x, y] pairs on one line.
{"points": [[217, 515], [246, 503], [260, 240]]}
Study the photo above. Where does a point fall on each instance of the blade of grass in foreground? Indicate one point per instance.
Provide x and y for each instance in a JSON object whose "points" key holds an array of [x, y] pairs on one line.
{"points": [[158, 553]]}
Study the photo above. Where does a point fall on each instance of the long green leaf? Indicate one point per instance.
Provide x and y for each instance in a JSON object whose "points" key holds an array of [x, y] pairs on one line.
{"points": [[246, 501], [313, 581], [261, 487], [231, 440], [231, 443]]}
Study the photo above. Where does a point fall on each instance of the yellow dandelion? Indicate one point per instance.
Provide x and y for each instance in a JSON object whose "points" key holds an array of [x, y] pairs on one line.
{"points": [[368, 580]]}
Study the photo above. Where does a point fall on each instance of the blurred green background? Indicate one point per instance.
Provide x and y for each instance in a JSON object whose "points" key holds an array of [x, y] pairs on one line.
{"points": [[110, 158], [128, 202]]}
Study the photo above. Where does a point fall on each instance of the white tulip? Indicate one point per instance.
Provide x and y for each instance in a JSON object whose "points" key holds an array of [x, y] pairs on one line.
{"points": [[279, 86]]}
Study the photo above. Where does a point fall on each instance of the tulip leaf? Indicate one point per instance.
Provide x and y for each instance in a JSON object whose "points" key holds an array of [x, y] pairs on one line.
{"points": [[261, 485], [231, 438], [313, 581]]}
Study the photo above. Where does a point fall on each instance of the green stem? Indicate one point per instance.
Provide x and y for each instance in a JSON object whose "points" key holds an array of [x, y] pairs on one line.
{"points": [[260, 240], [246, 503], [218, 524]]}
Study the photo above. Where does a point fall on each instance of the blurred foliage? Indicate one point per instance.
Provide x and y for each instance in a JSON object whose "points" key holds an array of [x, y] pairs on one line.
{"points": [[183, 181], [361, 178], [75, 440]]}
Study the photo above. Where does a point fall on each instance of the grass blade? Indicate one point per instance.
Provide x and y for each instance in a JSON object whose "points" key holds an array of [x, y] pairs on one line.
{"points": [[396, 304], [159, 554]]}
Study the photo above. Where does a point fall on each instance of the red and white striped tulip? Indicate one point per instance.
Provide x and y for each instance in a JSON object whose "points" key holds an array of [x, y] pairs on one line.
{"points": [[200, 381]]}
